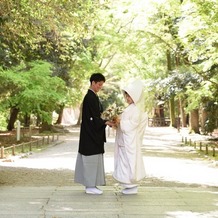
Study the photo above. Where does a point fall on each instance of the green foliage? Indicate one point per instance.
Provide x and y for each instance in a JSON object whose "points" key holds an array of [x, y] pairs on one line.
{"points": [[3, 121], [198, 33], [198, 96], [53, 31], [32, 89], [170, 44], [212, 116], [29, 29], [112, 94]]}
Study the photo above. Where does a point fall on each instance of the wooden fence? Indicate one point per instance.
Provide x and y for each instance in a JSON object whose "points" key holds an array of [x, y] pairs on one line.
{"points": [[42, 140], [158, 121], [208, 147]]}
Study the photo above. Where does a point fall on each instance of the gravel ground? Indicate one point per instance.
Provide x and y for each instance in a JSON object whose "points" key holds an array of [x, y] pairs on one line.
{"points": [[167, 162]]}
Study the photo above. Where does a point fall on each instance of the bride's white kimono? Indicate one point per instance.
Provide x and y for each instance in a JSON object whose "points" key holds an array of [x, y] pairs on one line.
{"points": [[128, 161]]}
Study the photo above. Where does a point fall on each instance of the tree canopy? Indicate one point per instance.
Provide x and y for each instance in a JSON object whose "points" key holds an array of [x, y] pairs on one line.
{"points": [[170, 44]]}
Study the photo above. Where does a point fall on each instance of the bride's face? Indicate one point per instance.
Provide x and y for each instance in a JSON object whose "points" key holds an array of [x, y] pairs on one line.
{"points": [[128, 98]]}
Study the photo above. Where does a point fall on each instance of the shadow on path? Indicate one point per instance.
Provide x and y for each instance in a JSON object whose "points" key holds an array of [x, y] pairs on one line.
{"points": [[167, 163]]}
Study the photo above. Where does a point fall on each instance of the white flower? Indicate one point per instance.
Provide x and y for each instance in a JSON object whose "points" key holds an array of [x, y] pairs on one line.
{"points": [[112, 113]]}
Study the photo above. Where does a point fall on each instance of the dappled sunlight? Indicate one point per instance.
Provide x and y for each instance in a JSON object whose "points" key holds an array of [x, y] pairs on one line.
{"points": [[167, 188], [163, 139], [188, 214], [43, 163], [35, 202], [181, 170], [155, 145], [63, 209], [164, 158], [72, 139], [63, 153]]}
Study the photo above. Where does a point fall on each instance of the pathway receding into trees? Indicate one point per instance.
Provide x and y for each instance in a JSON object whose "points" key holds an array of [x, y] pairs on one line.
{"points": [[179, 182], [166, 160]]}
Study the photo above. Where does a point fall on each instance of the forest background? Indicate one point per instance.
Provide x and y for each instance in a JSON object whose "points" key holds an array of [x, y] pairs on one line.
{"points": [[49, 49]]}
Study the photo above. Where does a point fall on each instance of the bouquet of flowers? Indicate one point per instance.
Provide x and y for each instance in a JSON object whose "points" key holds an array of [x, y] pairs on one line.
{"points": [[112, 113]]}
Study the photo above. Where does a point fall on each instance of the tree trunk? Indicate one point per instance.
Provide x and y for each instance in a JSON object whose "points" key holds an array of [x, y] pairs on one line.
{"points": [[172, 100], [46, 124], [203, 119], [13, 117], [80, 116], [172, 112], [46, 127], [27, 120], [194, 121], [169, 64], [182, 112], [38, 120], [60, 116]]}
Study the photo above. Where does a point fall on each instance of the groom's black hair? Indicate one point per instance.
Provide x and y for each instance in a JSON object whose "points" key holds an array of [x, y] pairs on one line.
{"points": [[97, 77]]}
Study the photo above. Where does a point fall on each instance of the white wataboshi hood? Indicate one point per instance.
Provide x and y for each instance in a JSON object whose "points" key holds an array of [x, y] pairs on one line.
{"points": [[135, 90]]}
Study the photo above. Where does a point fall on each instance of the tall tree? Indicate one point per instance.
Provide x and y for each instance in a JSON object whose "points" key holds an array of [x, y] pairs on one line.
{"points": [[30, 89]]}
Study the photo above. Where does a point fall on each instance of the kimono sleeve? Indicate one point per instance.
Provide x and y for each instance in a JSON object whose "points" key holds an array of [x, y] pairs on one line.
{"points": [[130, 120]]}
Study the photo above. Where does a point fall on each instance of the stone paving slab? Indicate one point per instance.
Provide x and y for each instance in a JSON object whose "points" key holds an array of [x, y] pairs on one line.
{"points": [[72, 202]]}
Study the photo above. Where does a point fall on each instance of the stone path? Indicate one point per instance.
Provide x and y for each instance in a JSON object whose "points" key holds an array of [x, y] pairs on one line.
{"points": [[72, 202]]}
